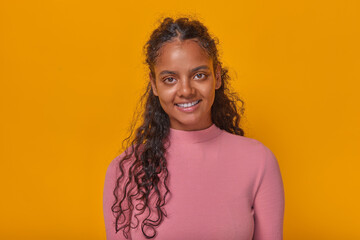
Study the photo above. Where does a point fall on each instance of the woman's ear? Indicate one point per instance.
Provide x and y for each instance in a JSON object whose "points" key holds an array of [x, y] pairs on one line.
{"points": [[218, 77], [153, 85]]}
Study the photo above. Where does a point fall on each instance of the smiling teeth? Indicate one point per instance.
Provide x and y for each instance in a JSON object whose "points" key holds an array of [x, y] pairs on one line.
{"points": [[185, 105]]}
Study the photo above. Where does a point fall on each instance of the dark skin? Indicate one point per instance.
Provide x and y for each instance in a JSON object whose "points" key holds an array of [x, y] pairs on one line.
{"points": [[184, 75]]}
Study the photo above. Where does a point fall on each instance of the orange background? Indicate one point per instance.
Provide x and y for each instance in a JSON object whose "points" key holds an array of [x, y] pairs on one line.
{"points": [[72, 72]]}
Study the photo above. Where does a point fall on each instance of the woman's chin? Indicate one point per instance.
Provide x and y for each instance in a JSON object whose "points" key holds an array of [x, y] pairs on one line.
{"points": [[190, 125]]}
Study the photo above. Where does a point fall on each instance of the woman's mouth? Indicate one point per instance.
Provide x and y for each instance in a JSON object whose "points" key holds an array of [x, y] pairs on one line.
{"points": [[186, 105]]}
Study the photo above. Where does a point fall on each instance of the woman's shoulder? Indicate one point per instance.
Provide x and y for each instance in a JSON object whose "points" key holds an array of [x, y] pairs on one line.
{"points": [[243, 140], [245, 144], [250, 151], [113, 167]]}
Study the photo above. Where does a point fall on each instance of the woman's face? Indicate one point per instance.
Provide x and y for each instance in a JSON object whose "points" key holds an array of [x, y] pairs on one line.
{"points": [[185, 83]]}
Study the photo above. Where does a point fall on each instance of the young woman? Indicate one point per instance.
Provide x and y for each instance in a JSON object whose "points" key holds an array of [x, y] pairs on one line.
{"points": [[189, 172]]}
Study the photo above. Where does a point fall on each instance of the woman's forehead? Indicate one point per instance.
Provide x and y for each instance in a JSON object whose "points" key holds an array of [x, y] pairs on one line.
{"points": [[182, 54]]}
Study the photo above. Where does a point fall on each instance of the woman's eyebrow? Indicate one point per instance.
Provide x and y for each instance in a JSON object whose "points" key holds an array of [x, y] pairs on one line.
{"points": [[193, 70], [200, 67]]}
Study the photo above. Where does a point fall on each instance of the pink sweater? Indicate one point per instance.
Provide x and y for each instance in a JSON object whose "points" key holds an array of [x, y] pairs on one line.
{"points": [[223, 186]]}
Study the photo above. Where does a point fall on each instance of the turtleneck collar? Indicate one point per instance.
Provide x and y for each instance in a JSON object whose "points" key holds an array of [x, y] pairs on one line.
{"points": [[196, 136]]}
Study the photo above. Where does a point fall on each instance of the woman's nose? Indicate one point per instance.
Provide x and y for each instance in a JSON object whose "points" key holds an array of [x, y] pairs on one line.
{"points": [[186, 89]]}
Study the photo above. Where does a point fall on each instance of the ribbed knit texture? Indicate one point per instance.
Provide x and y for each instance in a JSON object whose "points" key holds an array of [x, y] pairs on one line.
{"points": [[223, 186]]}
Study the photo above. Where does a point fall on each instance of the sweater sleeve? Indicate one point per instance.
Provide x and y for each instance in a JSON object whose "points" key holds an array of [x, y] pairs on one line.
{"points": [[269, 201], [108, 201]]}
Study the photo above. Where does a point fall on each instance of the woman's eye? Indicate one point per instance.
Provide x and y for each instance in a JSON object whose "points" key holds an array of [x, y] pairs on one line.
{"points": [[169, 80], [200, 75]]}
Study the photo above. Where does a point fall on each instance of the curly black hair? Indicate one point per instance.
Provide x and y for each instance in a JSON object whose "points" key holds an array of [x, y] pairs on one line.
{"points": [[146, 172]]}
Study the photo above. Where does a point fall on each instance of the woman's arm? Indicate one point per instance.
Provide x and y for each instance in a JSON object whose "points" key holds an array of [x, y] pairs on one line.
{"points": [[269, 201], [108, 201]]}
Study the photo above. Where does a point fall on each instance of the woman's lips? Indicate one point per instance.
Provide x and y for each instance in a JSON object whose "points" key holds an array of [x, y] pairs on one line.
{"points": [[192, 108], [187, 104]]}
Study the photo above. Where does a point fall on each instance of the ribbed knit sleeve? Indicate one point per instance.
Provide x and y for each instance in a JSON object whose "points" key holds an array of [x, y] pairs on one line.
{"points": [[112, 174], [269, 200]]}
